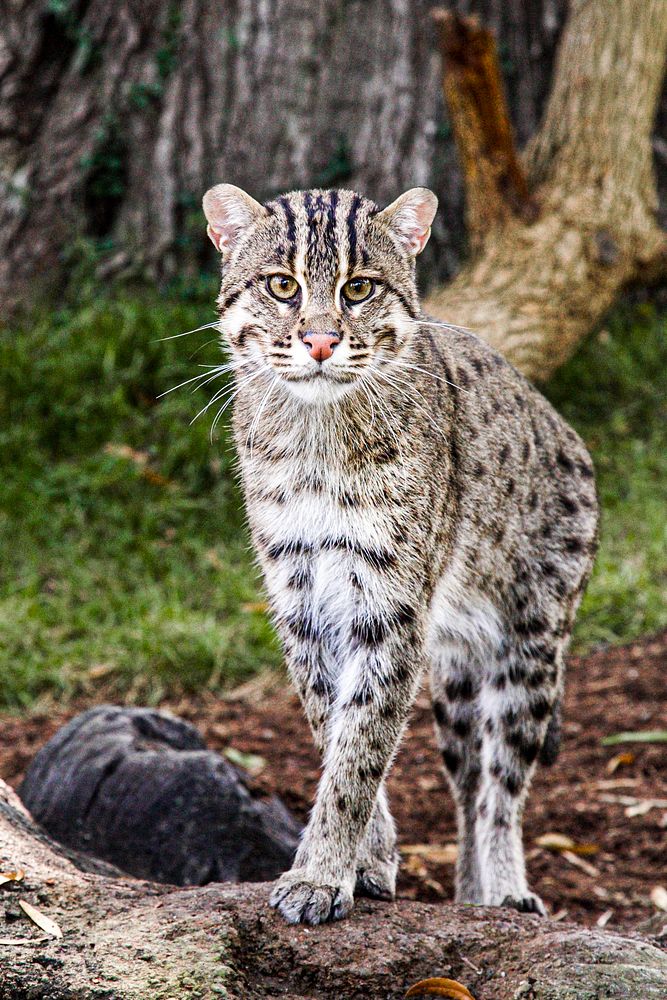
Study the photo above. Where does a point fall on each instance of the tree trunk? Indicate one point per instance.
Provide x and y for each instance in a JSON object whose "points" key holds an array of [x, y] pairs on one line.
{"points": [[540, 284], [129, 940], [114, 118]]}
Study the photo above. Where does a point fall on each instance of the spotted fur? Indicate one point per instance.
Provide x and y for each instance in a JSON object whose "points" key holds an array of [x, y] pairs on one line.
{"points": [[415, 504]]}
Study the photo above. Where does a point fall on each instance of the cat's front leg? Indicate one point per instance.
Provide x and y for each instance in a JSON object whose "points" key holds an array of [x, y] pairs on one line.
{"points": [[376, 690], [378, 857]]}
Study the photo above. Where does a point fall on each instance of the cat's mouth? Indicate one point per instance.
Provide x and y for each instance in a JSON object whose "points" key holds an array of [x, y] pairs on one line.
{"points": [[321, 374]]}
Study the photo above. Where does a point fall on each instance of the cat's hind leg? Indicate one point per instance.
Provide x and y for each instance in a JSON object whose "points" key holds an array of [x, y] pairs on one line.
{"points": [[517, 702], [455, 688]]}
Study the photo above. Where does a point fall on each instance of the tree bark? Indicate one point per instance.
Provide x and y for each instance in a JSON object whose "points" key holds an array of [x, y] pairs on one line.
{"points": [[538, 286], [129, 940], [114, 118]]}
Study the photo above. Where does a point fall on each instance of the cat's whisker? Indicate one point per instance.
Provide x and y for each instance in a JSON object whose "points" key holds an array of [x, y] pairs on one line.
{"points": [[403, 363], [214, 340], [236, 389], [188, 381], [365, 389], [220, 370], [219, 394], [412, 389], [186, 333], [437, 323], [374, 389], [255, 423]]}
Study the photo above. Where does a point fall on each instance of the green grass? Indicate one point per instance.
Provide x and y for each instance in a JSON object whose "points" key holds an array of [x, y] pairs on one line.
{"points": [[126, 567], [614, 392]]}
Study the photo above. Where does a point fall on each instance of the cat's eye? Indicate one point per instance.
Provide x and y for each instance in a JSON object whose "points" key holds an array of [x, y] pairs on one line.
{"points": [[357, 290], [282, 286]]}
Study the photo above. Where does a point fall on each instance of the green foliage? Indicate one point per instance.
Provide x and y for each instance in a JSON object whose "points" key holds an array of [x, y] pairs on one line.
{"points": [[338, 169], [87, 53], [167, 55], [125, 559], [614, 392], [125, 556]]}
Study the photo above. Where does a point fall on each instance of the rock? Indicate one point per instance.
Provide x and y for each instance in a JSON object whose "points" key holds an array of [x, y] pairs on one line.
{"points": [[138, 788]]}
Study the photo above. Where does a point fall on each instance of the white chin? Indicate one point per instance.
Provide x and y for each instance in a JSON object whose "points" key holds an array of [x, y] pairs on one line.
{"points": [[318, 390]]}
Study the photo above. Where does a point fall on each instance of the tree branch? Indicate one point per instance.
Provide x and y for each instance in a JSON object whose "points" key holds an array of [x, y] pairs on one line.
{"points": [[495, 181], [537, 286]]}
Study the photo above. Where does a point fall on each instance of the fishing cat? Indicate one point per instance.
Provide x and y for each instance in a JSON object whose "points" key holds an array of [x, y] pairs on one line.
{"points": [[415, 504]]}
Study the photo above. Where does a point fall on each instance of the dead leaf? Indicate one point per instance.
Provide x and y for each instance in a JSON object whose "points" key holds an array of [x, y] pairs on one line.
{"points": [[438, 854], [659, 897], [554, 841], [139, 458], [155, 478], [254, 606], [604, 918], [441, 988], [580, 863], [40, 940], [415, 866], [100, 670], [620, 760], [559, 842], [16, 876], [635, 806], [251, 762], [43, 922]]}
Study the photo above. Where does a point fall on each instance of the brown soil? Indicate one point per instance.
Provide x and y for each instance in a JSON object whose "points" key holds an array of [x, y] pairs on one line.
{"points": [[586, 796]]}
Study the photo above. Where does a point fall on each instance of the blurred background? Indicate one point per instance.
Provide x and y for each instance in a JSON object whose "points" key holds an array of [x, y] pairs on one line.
{"points": [[126, 570]]}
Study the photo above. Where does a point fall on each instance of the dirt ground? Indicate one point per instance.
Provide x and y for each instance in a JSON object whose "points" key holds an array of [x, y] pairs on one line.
{"points": [[610, 801]]}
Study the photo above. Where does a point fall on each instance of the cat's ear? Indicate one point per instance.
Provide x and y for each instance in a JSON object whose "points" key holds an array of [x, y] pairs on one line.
{"points": [[229, 211], [410, 217]]}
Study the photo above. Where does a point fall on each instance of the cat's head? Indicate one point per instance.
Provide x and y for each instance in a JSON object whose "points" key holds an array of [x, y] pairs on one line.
{"points": [[318, 285]]}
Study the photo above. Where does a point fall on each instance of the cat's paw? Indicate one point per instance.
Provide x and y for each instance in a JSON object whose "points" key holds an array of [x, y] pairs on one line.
{"points": [[528, 902], [377, 878], [302, 899]]}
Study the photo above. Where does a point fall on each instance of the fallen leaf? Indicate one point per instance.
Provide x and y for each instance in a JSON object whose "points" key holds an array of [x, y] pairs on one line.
{"points": [[580, 863], [40, 940], [554, 841], [604, 918], [250, 607], [139, 458], [251, 762], [620, 760], [16, 876], [415, 866], [100, 670], [559, 842], [439, 854], [43, 922], [647, 736], [659, 897], [155, 478], [640, 809], [441, 988]]}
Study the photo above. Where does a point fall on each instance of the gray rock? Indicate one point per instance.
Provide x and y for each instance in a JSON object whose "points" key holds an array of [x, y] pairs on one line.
{"points": [[138, 788]]}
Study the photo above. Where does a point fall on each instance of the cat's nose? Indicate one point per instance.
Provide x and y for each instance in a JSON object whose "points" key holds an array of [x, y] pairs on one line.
{"points": [[321, 345]]}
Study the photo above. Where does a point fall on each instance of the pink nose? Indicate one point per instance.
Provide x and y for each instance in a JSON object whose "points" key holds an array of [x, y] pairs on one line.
{"points": [[321, 345]]}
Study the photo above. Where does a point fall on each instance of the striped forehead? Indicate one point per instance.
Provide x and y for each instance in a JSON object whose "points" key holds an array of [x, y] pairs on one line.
{"points": [[324, 232]]}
